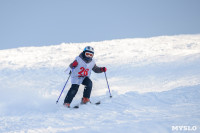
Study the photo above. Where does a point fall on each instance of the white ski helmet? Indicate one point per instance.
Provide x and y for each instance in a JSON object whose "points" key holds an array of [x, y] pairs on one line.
{"points": [[89, 49]]}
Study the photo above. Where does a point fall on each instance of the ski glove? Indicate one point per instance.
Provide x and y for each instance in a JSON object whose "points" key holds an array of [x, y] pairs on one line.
{"points": [[103, 69], [75, 63]]}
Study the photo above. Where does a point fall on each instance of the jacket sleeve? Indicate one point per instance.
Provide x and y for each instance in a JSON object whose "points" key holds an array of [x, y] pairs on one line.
{"points": [[96, 69]]}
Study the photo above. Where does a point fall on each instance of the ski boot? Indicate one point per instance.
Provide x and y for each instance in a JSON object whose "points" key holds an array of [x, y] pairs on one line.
{"points": [[66, 105], [85, 100]]}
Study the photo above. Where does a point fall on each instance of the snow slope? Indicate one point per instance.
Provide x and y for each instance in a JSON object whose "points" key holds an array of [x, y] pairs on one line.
{"points": [[155, 83]]}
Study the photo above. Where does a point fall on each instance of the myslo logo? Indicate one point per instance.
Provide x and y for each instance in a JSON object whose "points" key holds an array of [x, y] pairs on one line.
{"points": [[184, 128]]}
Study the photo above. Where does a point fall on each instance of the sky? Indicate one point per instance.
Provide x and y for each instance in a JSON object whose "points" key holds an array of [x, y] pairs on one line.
{"points": [[25, 23]]}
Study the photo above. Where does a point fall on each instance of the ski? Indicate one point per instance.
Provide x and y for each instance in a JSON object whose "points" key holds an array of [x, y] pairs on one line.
{"points": [[97, 103], [78, 105]]}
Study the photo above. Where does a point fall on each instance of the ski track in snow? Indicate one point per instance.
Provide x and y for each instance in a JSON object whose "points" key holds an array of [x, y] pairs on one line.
{"points": [[155, 83]]}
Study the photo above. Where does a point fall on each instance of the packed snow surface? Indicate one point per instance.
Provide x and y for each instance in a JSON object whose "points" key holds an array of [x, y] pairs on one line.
{"points": [[155, 84]]}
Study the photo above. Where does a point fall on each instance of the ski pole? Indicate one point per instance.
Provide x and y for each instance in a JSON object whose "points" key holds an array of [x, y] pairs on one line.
{"points": [[108, 85], [64, 86]]}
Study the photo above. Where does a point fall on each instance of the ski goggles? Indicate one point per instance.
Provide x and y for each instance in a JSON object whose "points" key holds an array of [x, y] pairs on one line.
{"points": [[88, 54]]}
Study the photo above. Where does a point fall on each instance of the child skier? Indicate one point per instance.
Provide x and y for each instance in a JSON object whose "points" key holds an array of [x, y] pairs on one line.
{"points": [[82, 67]]}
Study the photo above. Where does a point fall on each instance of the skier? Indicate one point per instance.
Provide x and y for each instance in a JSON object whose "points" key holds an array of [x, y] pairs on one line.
{"points": [[82, 67]]}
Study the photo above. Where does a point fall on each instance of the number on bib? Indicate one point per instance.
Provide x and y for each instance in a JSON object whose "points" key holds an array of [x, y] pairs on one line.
{"points": [[83, 72]]}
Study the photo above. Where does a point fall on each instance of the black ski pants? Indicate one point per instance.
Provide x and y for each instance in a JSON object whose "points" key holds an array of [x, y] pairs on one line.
{"points": [[74, 89]]}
